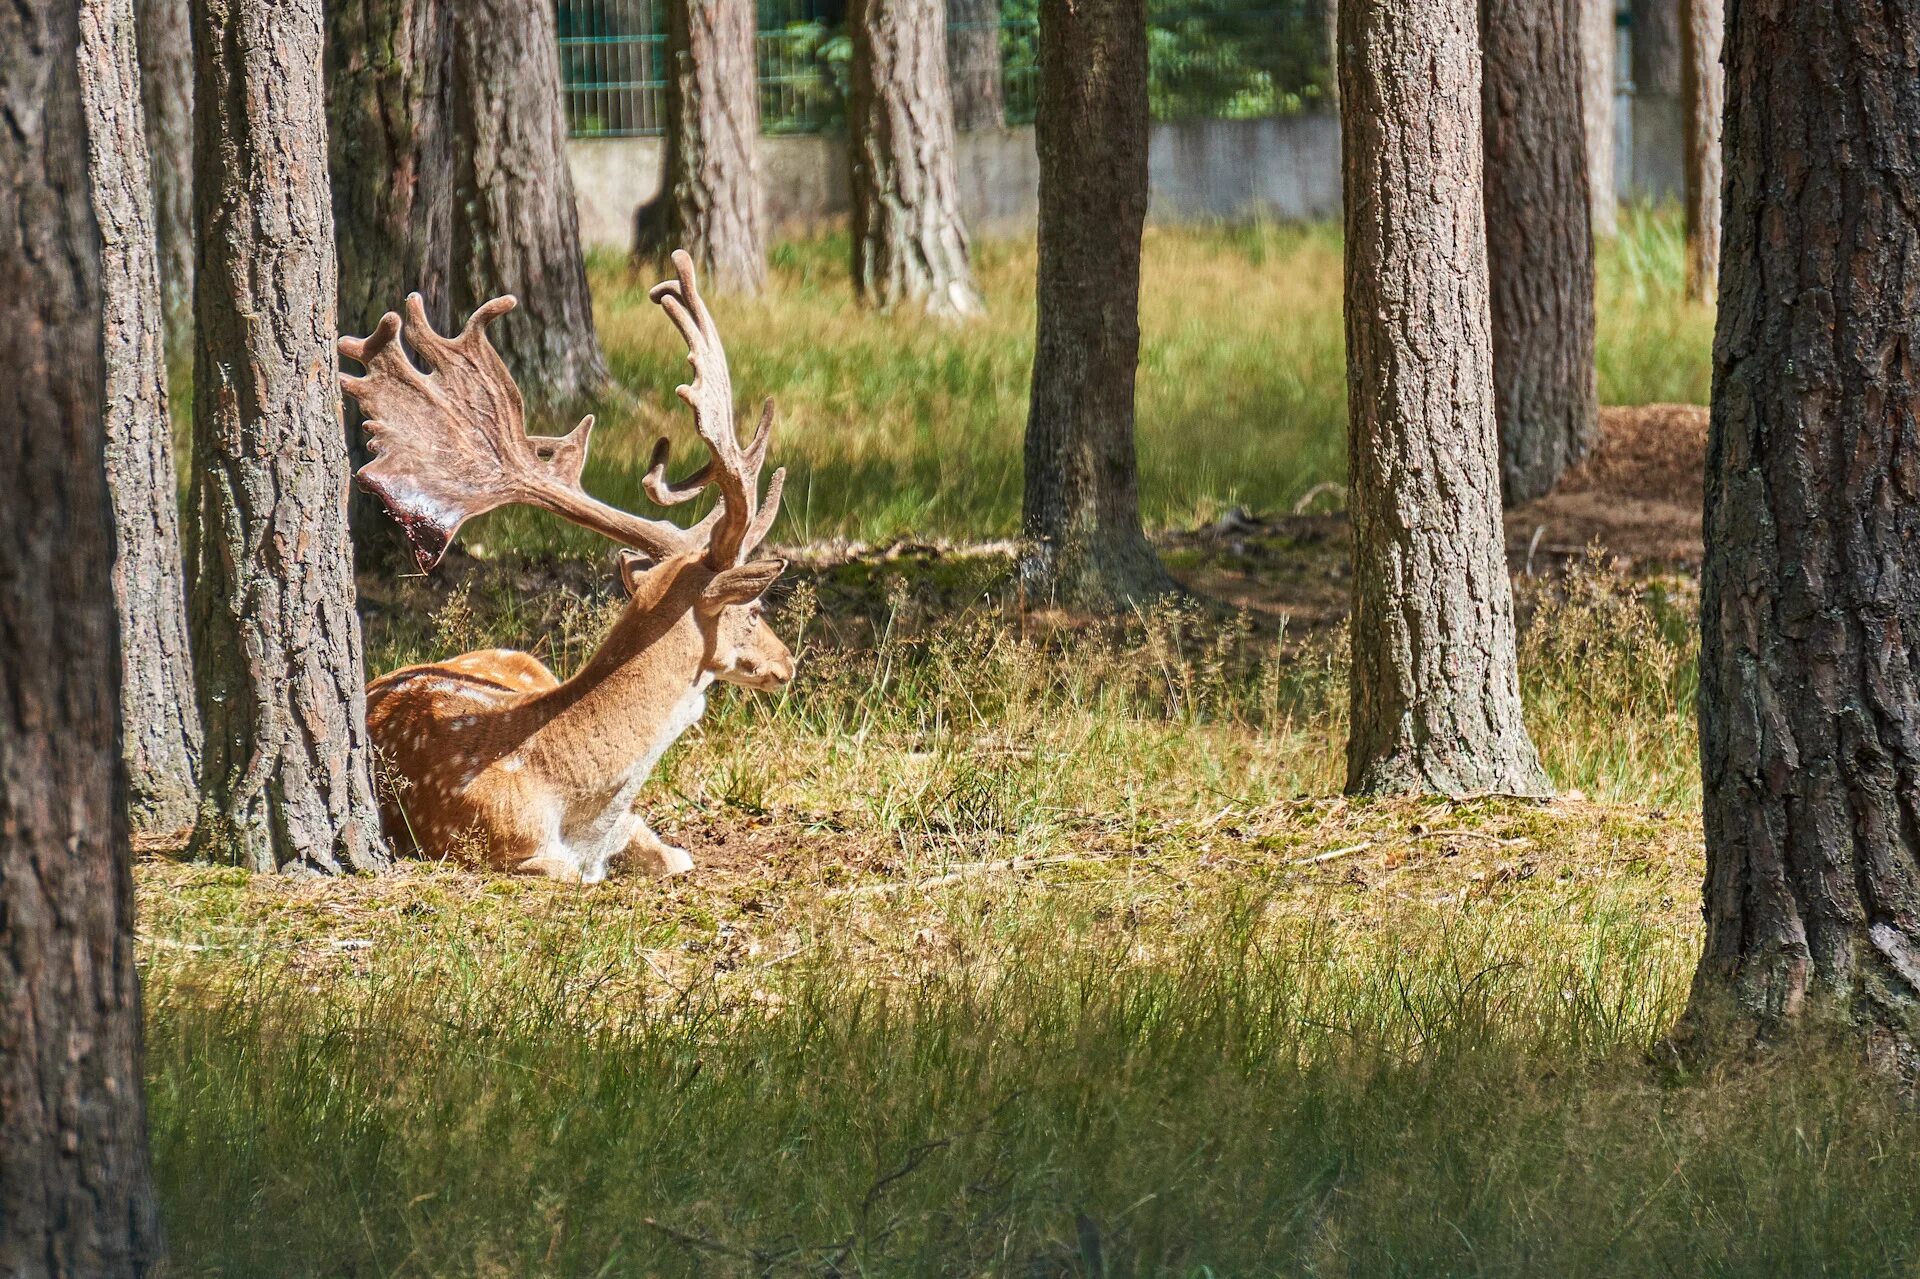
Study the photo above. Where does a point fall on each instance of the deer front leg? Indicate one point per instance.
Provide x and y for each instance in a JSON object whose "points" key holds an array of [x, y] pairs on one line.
{"points": [[646, 851]]}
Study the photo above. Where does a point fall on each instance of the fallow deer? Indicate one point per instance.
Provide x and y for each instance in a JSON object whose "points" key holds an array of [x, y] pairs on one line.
{"points": [[497, 755]]}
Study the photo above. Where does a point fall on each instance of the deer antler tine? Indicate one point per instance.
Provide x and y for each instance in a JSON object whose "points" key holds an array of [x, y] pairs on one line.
{"points": [[364, 349], [665, 492], [764, 517]]}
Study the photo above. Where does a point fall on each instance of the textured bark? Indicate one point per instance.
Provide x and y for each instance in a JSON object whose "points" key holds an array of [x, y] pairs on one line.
{"points": [[1082, 506], [1539, 242], [514, 225], [709, 202], [1597, 58], [909, 243], [1655, 39], [286, 776], [1703, 93], [166, 85], [1435, 691], [1810, 598], [161, 731], [973, 64], [387, 77], [76, 1196]]}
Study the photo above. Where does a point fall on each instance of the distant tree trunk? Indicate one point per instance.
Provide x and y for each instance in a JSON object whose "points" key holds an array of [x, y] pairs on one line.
{"points": [[166, 82], [1435, 695], [1810, 608], [1597, 55], [161, 731], [1082, 508], [1539, 242], [287, 776], [709, 202], [909, 243], [1655, 38], [387, 76], [1703, 91], [514, 225], [973, 63], [76, 1195]]}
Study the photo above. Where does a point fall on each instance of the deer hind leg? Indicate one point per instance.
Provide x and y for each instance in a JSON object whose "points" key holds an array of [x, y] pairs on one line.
{"points": [[648, 853], [563, 869]]}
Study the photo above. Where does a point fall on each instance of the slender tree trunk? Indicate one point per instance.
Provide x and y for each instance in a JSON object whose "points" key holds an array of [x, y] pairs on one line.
{"points": [[1597, 41], [76, 1195], [1082, 508], [161, 731], [1436, 697], [1539, 242], [1810, 608], [709, 202], [1655, 39], [909, 243], [387, 77], [166, 83], [1703, 86], [286, 778], [973, 63], [514, 225]]}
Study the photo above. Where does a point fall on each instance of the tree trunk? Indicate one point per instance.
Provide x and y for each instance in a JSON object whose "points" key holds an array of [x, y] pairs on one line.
{"points": [[973, 63], [514, 225], [909, 243], [1435, 692], [1703, 93], [1655, 39], [1597, 56], [1539, 242], [1810, 606], [287, 778], [76, 1195], [1082, 508], [166, 83], [387, 65], [709, 202], [161, 732]]}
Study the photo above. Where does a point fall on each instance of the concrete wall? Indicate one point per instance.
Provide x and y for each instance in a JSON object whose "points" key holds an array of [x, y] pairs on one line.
{"points": [[1200, 170]]}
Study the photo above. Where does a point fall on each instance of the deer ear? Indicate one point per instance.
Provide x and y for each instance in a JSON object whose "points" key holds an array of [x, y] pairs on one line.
{"points": [[633, 567], [744, 584]]}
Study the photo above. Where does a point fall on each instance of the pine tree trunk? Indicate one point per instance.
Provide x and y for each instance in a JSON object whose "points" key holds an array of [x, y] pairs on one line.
{"points": [[909, 243], [514, 225], [973, 64], [1082, 507], [1539, 242], [1597, 56], [709, 202], [1810, 608], [166, 84], [161, 731], [76, 1195], [1655, 38], [287, 775], [1703, 93], [1435, 691], [387, 76]]}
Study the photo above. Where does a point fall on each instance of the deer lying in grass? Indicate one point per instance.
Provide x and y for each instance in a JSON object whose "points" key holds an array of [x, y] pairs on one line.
{"points": [[496, 754]]}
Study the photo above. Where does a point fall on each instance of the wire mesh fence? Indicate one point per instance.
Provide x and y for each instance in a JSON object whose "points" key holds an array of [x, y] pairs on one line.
{"points": [[1224, 59]]}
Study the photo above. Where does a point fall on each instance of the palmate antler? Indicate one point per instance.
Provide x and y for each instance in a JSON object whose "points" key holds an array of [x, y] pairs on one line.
{"points": [[451, 443]]}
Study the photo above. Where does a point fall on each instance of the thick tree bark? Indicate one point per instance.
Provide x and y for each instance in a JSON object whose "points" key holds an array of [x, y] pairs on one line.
{"points": [[1082, 508], [909, 243], [1597, 41], [709, 202], [166, 84], [76, 1196], [387, 77], [1703, 92], [1539, 242], [1810, 602], [161, 731], [286, 778], [514, 225], [1435, 691], [973, 64], [1655, 38]]}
